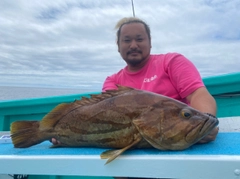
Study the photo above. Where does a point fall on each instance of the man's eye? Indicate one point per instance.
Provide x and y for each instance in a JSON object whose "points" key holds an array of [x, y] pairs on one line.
{"points": [[126, 40], [139, 40]]}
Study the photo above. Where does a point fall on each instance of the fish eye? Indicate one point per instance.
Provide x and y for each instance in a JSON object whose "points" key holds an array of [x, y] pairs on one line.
{"points": [[186, 114]]}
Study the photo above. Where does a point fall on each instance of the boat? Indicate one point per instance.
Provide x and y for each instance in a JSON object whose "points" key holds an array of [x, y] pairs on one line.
{"points": [[224, 88]]}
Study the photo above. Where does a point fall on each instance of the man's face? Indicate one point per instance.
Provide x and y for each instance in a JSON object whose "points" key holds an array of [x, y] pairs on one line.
{"points": [[134, 44]]}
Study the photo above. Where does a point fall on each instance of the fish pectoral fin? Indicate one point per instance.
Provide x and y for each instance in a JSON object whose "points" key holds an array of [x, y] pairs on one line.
{"points": [[112, 154], [149, 126]]}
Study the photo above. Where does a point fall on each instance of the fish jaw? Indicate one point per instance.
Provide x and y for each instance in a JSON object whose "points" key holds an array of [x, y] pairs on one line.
{"points": [[202, 130]]}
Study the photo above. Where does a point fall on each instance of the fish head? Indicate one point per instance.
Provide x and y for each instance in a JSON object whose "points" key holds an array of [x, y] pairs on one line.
{"points": [[175, 127], [188, 127]]}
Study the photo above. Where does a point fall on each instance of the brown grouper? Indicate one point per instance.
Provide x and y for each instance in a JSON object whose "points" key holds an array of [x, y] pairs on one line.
{"points": [[119, 119]]}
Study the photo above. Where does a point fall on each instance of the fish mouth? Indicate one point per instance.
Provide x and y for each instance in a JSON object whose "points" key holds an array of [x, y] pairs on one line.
{"points": [[202, 129], [208, 125]]}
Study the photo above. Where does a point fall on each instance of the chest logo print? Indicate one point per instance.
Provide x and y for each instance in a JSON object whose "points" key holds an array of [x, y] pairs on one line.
{"points": [[147, 80]]}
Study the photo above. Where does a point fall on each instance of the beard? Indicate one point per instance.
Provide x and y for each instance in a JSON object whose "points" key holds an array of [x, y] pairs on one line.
{"points": [[134, 60]]}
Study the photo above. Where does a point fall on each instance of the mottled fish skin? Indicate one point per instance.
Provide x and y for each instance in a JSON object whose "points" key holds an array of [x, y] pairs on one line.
{"points": [[121, 119]]}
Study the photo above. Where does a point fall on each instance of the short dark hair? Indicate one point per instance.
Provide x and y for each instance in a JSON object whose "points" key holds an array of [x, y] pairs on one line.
{"points": [[129, 20]]}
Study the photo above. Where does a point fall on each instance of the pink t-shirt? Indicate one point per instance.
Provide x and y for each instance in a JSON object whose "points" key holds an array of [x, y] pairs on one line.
{"points": [[170, 74]]}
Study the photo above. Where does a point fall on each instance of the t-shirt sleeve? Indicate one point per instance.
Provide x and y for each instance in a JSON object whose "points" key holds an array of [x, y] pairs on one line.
{"points": [[110, 83], [184, 75]]}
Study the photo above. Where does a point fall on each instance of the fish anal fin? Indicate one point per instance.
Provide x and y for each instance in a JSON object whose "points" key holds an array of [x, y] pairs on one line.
{"points": [[112, 154]]}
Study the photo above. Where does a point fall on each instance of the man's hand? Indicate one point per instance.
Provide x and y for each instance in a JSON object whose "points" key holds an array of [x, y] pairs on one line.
{"points": [[55, 141], [210, 137]]}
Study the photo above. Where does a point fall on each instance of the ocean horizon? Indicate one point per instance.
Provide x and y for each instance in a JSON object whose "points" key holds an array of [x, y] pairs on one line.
{"points": [[25, 92]]}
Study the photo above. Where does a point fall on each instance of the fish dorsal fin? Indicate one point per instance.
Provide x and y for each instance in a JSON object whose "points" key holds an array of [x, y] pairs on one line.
{"points": [[52, 118], [94, 98]]}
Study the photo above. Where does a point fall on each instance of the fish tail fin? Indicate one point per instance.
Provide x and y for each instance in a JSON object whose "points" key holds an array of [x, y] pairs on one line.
{"points": [[26, 133]]}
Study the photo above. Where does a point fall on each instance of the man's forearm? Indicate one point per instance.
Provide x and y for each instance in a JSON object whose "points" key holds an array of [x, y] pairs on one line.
{"points": [[203, 101]]}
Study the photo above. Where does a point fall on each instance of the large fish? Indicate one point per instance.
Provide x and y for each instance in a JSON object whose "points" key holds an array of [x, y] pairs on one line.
{"points": [[121, 119]]}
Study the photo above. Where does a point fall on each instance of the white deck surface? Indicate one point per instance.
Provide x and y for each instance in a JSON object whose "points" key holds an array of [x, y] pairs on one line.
{"points": [[229, 124], [161, 166]]}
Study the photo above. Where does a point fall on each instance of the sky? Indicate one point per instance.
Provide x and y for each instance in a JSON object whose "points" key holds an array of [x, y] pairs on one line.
{"points": [[72, 43]]}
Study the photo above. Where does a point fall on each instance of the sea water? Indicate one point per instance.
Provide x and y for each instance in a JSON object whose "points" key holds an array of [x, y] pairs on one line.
{"points": [[13, 92]]}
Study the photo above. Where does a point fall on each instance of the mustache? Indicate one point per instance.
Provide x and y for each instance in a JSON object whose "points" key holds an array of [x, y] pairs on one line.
{"points": [[134, 51]]}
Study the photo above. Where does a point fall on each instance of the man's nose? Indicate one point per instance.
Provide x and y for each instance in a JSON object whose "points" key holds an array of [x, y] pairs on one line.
{"points": [[133, 44]]}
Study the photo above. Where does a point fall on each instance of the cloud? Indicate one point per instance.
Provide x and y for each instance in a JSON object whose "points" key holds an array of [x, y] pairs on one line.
{"points": [[72, 43]]}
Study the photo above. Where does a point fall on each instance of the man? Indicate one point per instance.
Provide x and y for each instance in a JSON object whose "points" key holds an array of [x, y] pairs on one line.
{"points": [[168, 74]]}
